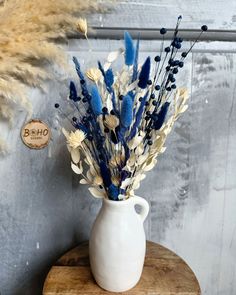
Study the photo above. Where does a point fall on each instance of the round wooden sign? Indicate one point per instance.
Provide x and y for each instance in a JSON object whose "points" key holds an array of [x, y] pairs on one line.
{"points": [[35, 134]]}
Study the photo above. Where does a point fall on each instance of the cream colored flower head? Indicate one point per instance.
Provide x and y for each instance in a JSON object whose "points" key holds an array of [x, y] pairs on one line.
{"points": [[82, 26], [75, 139]]}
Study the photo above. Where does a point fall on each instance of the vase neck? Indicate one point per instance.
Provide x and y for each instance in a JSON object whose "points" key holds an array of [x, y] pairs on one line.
{"points": [[118, 205]]}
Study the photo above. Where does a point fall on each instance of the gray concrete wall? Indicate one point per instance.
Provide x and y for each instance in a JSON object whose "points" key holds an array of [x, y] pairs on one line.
{"points": [[192, 190]]}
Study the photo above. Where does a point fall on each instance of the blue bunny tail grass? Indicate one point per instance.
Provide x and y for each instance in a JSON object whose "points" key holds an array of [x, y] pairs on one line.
{"points": [[105, 173], [129, 49], [109, 78], [73, 91], [138, 117], [96, 101], [144, 73], [135, 69], [126, 115], [161, 116], [113, 192]]}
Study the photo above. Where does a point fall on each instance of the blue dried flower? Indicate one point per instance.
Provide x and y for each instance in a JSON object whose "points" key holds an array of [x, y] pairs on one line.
{"points": [[144, 74], [129, 49], [161, 116], [96, 101], [126, 115]]}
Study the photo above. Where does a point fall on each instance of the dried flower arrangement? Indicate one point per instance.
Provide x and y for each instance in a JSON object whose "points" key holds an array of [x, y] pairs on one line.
{"points": [[123, 120], [28, 30]]}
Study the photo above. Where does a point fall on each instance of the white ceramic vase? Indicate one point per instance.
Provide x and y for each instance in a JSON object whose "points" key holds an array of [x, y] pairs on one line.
{"points": [[117, 244]]}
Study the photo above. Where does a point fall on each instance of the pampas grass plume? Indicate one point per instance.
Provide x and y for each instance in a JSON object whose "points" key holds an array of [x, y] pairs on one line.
{"points": [[28, 30]]}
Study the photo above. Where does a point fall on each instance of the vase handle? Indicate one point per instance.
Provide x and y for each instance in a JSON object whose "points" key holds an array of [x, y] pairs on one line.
{"points": [[144, 206]]}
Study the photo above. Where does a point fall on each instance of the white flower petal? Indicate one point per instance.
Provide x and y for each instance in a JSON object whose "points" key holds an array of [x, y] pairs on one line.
{"points": [[83, 181], [76, 169], [126, 183], [75, 155]]}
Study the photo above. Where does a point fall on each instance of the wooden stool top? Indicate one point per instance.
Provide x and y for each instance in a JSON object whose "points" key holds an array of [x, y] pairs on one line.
{"points": [[164, 273]]}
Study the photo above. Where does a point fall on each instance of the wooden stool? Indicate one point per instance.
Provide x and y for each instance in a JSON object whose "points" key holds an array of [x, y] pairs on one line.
{"points": [[164, 273]]}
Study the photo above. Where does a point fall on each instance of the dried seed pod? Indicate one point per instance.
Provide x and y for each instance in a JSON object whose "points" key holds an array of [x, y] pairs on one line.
{"points": [[111, 121]]}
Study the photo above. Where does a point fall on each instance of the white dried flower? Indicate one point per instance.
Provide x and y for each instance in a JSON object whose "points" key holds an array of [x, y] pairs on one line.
{"points": [[75, 139]]}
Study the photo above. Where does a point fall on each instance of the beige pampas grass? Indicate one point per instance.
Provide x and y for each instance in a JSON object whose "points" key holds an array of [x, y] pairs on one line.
{"points": [[27, 31]]}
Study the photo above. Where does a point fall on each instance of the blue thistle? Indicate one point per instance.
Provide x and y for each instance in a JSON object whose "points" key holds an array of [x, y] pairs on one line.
{"points": [[129, 49], [144, 74], [96, 101]]}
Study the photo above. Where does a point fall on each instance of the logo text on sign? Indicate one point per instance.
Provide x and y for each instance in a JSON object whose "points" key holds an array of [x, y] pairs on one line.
{"points": [[35, 134]]}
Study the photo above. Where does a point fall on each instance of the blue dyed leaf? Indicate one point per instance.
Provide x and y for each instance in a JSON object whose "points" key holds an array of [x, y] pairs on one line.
{"points": [[161, 116], [144, 73], [126, 115], [96, 101], [129, 49]]}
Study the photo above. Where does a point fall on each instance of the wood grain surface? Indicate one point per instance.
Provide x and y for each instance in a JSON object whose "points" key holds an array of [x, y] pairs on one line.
{"points": [[164, 273]]}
